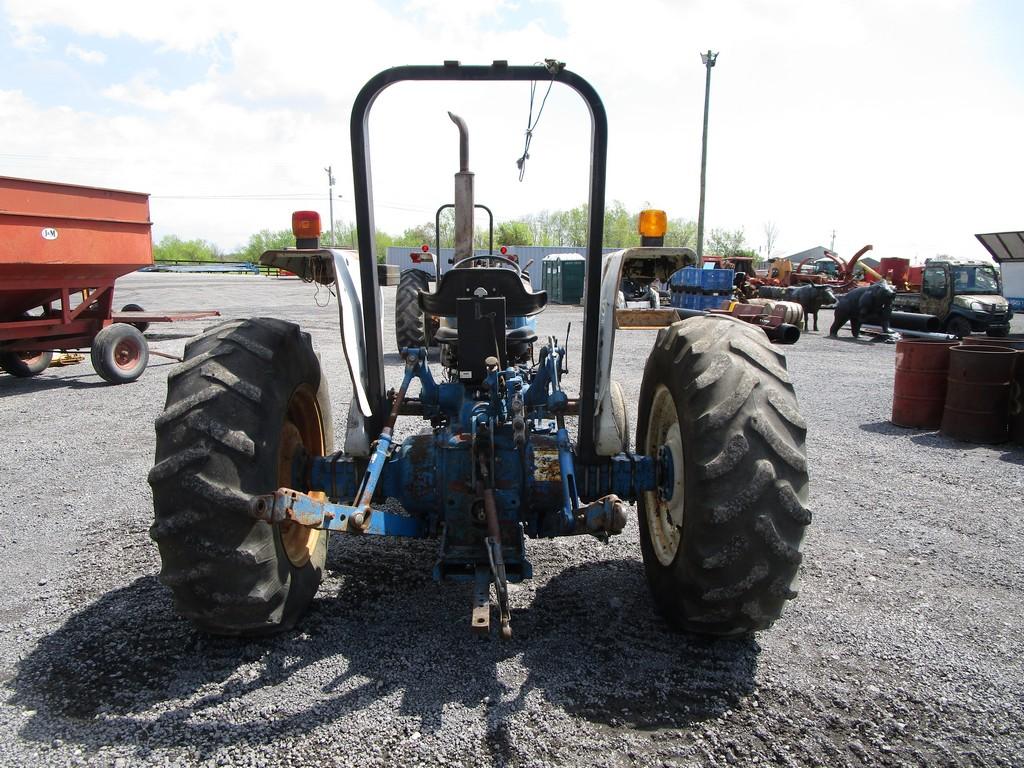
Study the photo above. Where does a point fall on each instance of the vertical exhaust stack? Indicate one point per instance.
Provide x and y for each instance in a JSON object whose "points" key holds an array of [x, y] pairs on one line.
{"points": [[463, 196]]}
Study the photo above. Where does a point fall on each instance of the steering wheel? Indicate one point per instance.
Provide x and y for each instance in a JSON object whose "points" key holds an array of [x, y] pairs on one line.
{"points": [[489, 257]]}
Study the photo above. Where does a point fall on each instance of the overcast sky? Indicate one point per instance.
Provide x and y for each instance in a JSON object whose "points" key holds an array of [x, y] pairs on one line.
{"points": [[892, 122]]}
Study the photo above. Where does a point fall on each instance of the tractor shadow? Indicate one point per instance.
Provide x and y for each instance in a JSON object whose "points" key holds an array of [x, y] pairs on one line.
{"points": [[381, 638]]}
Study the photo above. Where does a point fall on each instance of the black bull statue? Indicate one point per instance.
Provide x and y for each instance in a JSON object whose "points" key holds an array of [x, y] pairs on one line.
{"points": [[871, 304]]}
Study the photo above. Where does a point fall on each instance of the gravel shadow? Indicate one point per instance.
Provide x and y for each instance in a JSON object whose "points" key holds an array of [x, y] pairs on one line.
{"points": [[12, 385], [596, 647], [381, 630]]}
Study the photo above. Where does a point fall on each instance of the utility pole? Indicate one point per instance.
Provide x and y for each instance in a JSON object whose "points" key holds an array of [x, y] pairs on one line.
{"points": [[832, 246], [330, 200], [709, 61]]}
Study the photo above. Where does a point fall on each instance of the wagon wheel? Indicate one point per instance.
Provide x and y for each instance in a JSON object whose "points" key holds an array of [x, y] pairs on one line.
{"points": [[119, 353], [25, 364], [142, 326]]}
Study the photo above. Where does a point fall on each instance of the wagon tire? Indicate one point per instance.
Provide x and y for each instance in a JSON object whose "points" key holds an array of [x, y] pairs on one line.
{"points": [[24, 365], [410, 321], [720, 537], [244, 409], [119, 353], [143, 327]]}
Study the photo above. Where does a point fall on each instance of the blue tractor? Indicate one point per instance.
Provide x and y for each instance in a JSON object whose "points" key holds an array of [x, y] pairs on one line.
{"points": [[247, 484]]}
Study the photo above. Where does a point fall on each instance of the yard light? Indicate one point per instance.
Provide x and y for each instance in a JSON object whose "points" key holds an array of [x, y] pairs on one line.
{"points": [[709, 60]]}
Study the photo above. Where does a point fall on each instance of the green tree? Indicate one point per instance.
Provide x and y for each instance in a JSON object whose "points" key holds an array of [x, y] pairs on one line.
{"points": [[724, 242], [513, 233], [620, 227], [682, 233], [173, 248], [267, 240]]}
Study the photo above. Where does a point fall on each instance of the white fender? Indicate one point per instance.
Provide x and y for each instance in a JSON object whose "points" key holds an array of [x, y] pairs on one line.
{"points": [[353, 342], [643, 264]]}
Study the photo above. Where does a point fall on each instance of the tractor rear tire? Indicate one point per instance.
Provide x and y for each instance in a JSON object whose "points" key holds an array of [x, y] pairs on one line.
{"points": [[119, 353], [244, 405], [721, 546], [410, 322], [24, 365]]}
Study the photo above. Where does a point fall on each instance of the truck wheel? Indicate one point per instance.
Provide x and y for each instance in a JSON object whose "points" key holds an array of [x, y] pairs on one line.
{"points": [[958, 326], [410, 322], [246, 404], [720, 540], [25, 364], [119, 353], [136, 308]]}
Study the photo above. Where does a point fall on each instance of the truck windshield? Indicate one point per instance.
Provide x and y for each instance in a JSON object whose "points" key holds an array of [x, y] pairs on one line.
{"points": [[969, 279]]}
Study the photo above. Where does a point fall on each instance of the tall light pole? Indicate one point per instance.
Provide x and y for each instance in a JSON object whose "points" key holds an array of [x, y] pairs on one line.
{"points": [[330, 199], [709, 61]]}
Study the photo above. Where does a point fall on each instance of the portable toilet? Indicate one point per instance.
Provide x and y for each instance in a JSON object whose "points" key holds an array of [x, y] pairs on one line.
{"points": [[562, 277]]}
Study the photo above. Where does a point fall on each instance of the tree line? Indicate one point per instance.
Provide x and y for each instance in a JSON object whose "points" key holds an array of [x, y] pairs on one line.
{"points": [[546, 228]]}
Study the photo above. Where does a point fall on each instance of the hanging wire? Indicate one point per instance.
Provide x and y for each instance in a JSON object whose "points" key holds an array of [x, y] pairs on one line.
{"points": [[554, 67], [318, 274]]}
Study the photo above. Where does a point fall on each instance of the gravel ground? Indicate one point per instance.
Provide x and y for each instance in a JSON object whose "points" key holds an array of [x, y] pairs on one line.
{"points": [[903, 647]]}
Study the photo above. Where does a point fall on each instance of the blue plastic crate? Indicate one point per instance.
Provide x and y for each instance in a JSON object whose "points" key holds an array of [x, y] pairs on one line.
{"points": [[716, 279], [688, 277], [691, 300], [712, 301]]}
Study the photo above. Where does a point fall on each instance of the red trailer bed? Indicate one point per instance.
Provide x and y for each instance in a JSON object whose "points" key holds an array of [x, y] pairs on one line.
{"points": [[62, 246]]}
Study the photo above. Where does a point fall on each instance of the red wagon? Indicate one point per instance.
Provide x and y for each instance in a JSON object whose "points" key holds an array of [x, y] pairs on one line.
{"points": [[62, 247]]}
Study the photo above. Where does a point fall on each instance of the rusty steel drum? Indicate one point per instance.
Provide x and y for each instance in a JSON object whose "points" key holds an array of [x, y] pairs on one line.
{"points": [[919, 388], [1017, 401], [1013, 341], [978, 393]]}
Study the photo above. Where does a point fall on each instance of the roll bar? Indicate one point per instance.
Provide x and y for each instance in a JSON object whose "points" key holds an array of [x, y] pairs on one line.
{"points": [[499, 71]]}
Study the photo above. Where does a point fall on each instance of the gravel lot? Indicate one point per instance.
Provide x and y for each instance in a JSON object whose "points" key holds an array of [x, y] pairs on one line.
{"points": [[903, 647]]}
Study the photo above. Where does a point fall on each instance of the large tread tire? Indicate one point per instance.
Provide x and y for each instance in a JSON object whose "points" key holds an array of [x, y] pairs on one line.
{"points": [[744, 485], [25, 366], [410, 322], [119, 353], [221, 439]]}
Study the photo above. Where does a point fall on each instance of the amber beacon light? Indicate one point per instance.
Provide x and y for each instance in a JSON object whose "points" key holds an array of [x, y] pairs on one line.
{"points": [[652, 225], [306, 228]]}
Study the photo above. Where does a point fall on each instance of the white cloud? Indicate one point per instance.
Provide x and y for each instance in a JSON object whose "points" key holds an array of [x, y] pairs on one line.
{"points": [[82, 54], [882, 121]]}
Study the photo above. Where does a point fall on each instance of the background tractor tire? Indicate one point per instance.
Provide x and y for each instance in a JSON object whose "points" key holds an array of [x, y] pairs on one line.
{"points": [[410, 322], [721, 547], [119, 353], [25, 364], [248, 398]]}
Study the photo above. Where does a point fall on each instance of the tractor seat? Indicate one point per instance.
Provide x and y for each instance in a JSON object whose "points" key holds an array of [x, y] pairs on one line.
{"points": [[445, 335], [466, 283]]}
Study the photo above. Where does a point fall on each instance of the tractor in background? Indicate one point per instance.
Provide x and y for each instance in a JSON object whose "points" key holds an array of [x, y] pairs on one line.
{"points": [[247, 482]]}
